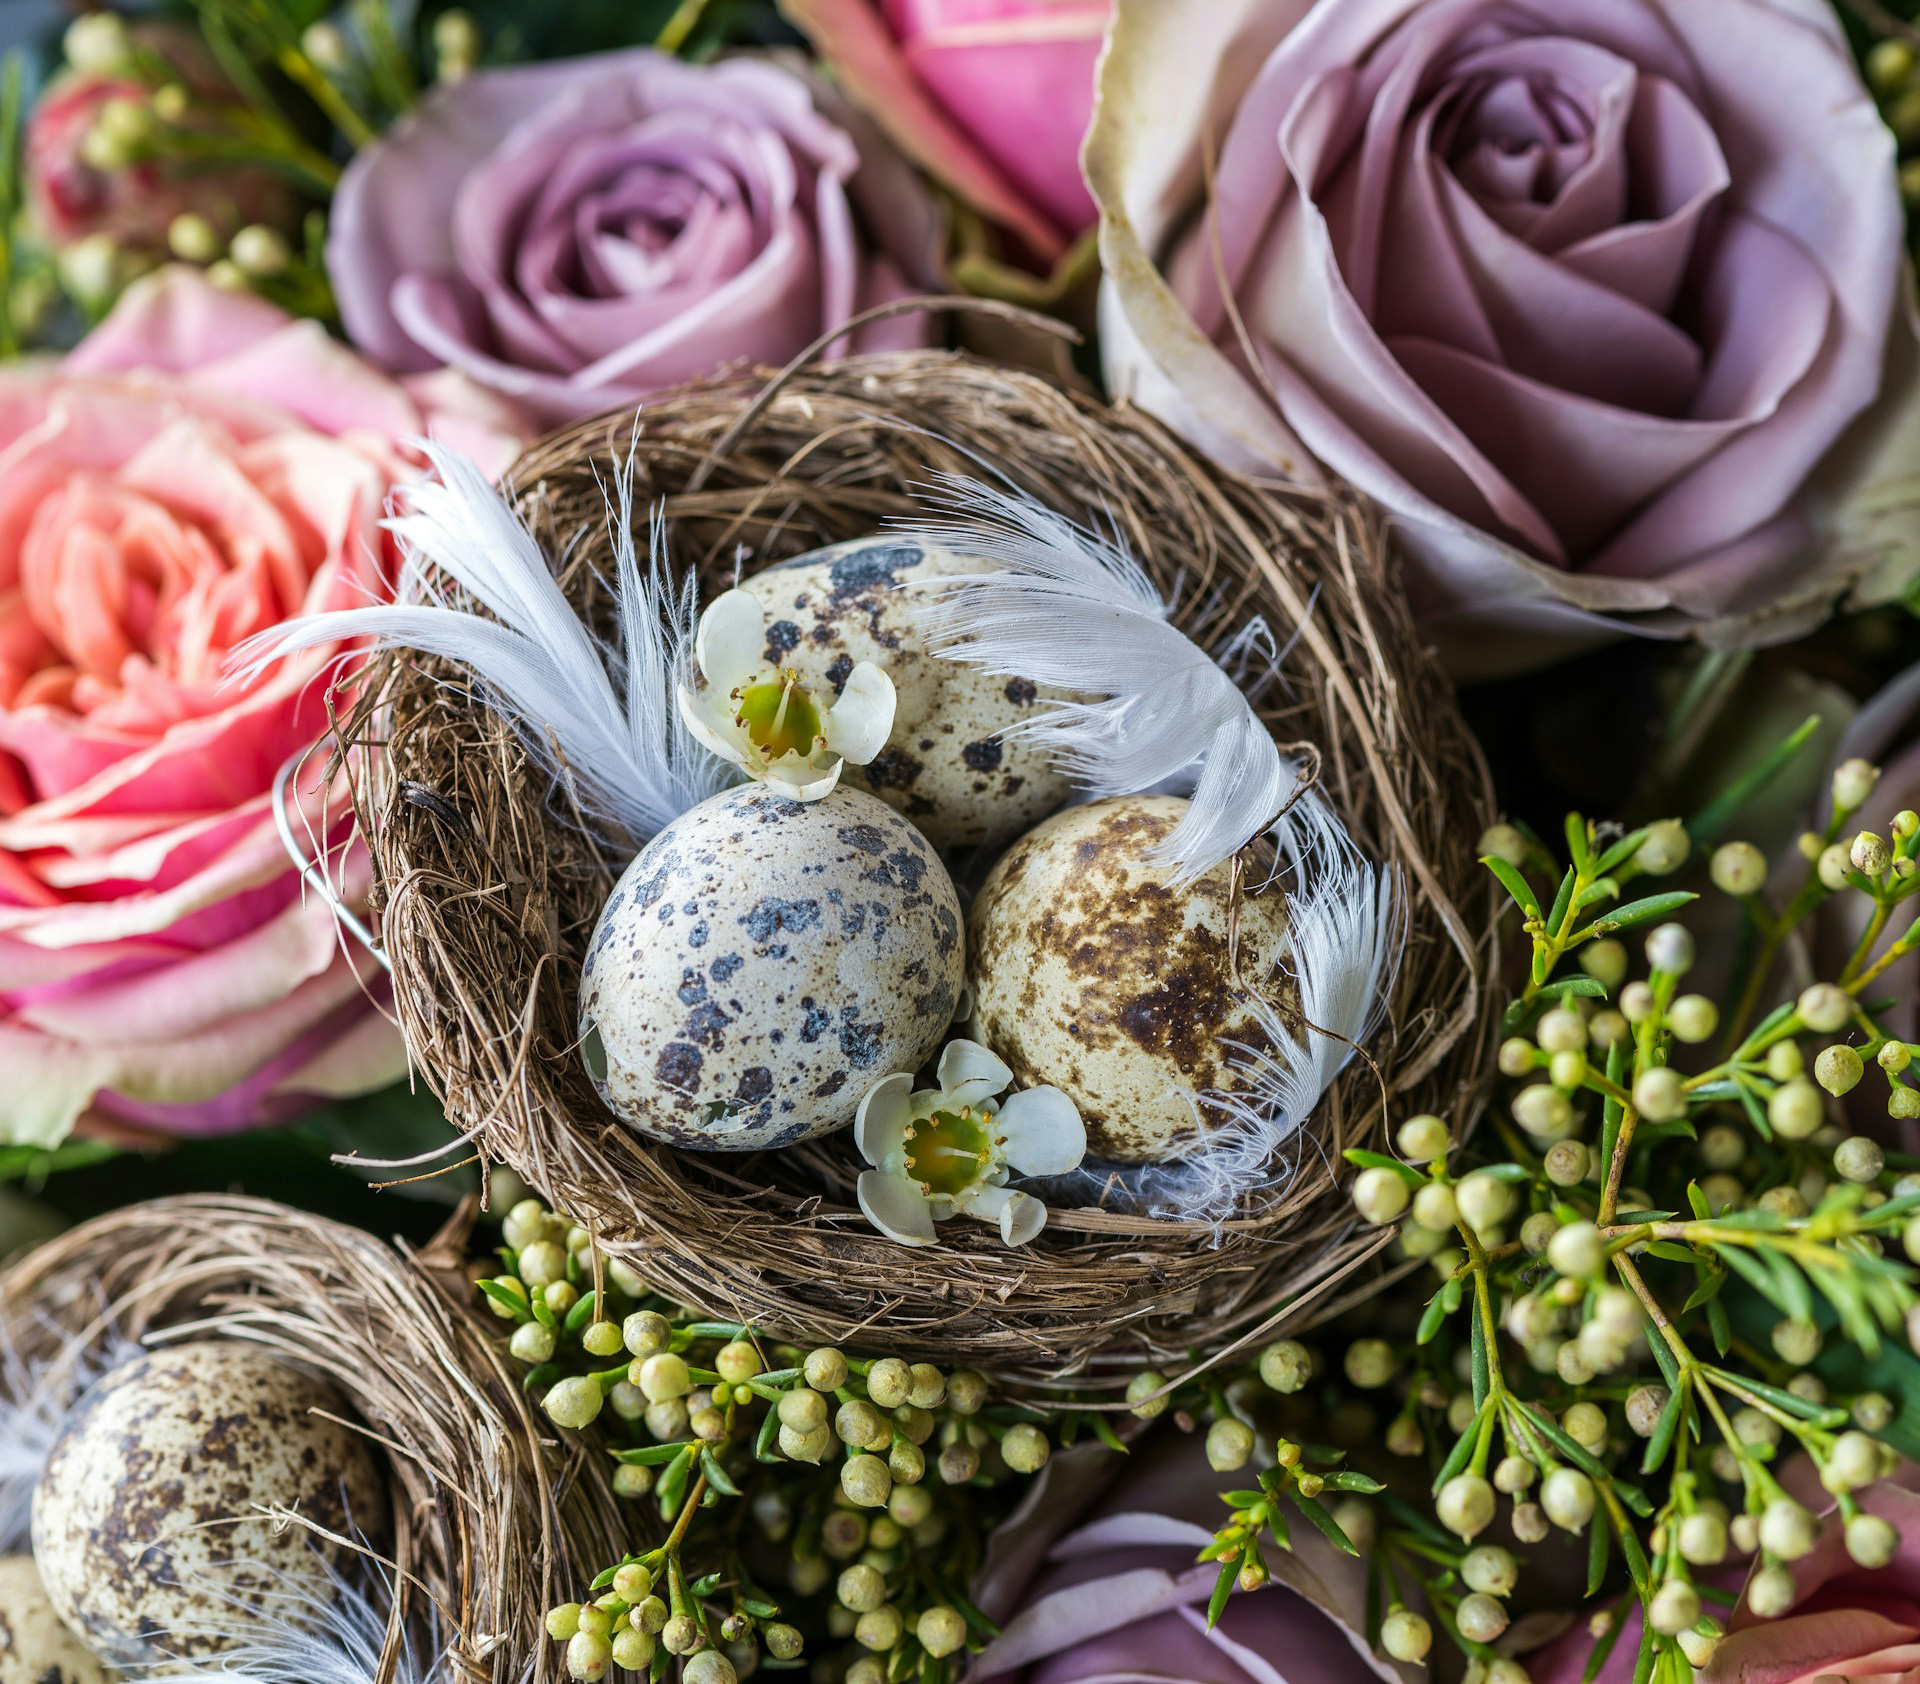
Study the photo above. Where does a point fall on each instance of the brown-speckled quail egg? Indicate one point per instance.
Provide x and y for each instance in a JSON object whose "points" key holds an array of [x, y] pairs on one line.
{"points": [[35, 1648], [946, 765], [762, 962], [129, 1517], [1094, 974]]}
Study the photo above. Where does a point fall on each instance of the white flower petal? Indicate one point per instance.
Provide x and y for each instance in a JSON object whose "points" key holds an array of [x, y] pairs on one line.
{"points": [[896, 1207], [1043, 1132], [713, 730], [732, 639], [1020, 1215], [880, 1125], [970, 1073], [859, 724], [797, 777]]}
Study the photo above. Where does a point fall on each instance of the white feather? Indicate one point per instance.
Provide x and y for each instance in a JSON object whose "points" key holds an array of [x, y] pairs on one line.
{"points": [[299, 1632], [1074, 610], [36, 1395], [603, 719]]}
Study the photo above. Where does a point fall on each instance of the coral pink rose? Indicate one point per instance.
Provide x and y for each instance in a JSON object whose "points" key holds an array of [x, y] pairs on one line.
{"points": [[989, 97], [577, 235], [201, 468], [1605, 299]]}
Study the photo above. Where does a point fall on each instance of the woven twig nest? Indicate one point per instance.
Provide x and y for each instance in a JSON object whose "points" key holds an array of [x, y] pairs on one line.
{"points": [[493, 1520], [487, 896]]}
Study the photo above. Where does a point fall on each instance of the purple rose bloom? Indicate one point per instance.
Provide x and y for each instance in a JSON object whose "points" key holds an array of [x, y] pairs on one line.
{"points": [[579, 234], [1120, 1598], [1605, 298]]}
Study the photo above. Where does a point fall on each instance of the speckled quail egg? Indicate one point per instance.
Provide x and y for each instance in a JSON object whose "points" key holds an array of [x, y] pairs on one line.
{"points": [[762, 962], [946, 765], [35, 1648], [130, 1516], [1094, 974]]}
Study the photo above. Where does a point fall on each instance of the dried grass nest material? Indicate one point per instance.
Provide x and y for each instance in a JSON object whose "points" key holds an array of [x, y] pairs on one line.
{"points": [[494, 1520], [487, 897]]}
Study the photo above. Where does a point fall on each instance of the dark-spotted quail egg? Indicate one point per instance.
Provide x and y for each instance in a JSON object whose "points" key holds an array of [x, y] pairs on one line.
{"points": [[1093, 973], [946, 765], [35, 1648], [762, 962], [147, 1522]]}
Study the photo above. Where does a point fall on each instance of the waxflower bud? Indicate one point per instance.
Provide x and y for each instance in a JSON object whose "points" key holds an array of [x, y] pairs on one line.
{"points": [[861, 1588], [1516, 1057], [1664, 848], [1693, 1018], [1567, 1496], [1578, 1251], [1702, 1540], [1490, 1569], [1480, 1618], [1229, 1445], [1529, 1523], [573, 1402], [1543, 1111], [889, 1381], [1869, 854], [1834, 866], [1675, 1606], [664, 1377], [588, 1657], [927, 1387], [542, 1263], [866, 1480], [646, 1331], [959, 1463], [942, 1631], [1369, 1363], [1406, 1636], [1140, 1394], [1871, 1541], [1645, 1405], [1838, 1069], [1561, 1030], [1423, 1139], [709, 1666], [1502, 842], [1567, 1070], [1772, 1591], [1636, 1002], [1853, 1462], [1434, 1206], [1786, 1529], [1825, 1008], [1483, 1199], [825, 1369], [1567, 1162], [1903, 1103], [1670, 949], [737, 1362], [1286, 1365], [260, 251], [1794, 1341], [1585, 1424], [860, 1425], [1795, 1109], [1738, 868], [1379, 1195], [1513, 1474], [1853, 783], [532, 1343], [1605, 961], [1025, 1448], [1859, 1159], [967, 1392], [1660, 1094], [1465, 1504]]}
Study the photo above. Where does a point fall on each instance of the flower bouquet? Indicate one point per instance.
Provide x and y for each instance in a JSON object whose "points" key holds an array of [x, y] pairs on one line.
{"points": [[834, 627]]}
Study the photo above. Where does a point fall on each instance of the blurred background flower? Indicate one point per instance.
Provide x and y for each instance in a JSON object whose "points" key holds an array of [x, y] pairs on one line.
{"points": [[198, 469], [577, 235], [1609, 304]]}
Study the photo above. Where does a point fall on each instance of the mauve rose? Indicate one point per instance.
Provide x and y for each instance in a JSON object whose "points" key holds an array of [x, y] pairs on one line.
{"points": [[199, 469], [1119, 1599], [1606, 299], [580, 234], [989, 97]]}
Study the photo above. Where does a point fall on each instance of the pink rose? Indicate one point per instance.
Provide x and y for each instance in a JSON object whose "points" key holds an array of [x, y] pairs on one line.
{"points": [[69, 198], [989, 97], [1120, 1599], [199, 469], [1847, 1622], [1606, 299], [577, 235]]}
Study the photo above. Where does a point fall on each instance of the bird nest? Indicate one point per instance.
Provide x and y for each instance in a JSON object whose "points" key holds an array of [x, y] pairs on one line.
{"points": [[493, 1521], [487, 893]]}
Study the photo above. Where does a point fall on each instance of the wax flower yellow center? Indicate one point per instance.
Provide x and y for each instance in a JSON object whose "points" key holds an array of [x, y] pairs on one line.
{"points": [[779, 716], [950, 1150]]}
